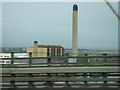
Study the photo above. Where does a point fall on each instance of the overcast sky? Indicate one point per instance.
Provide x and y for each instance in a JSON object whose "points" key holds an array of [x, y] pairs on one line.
{"points": [[51, 24]]}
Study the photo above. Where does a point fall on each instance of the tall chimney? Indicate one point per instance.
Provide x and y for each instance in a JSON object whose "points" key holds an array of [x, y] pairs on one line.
{"points": [[75, 30], [35, 48]]}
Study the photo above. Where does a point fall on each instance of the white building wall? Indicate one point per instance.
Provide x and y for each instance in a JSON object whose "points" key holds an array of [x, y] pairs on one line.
{"points": [[5, 55], [8, 55], [21, 55]]}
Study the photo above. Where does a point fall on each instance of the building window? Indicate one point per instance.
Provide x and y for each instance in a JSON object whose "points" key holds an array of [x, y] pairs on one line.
{"points": [[3, 62], [7, 62], [54, 51]]}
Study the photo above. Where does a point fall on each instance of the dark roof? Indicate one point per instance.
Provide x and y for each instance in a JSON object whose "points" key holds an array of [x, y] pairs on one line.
{"points": [[49, 46], [75, 7]]}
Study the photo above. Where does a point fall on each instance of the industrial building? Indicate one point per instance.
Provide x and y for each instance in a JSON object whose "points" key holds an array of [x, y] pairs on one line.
{"points": [[45, 50]]}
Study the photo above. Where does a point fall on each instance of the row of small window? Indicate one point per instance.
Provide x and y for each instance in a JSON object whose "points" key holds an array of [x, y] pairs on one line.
{"points": [[4, 56], [5, 62]]}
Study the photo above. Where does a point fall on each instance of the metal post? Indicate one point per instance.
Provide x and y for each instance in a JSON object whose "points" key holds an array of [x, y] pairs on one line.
{"points": [[85, 76], [31, 82], [49, 61], [67, 83], [105, 76], [13, 82], [12, 58], [30, 59]]}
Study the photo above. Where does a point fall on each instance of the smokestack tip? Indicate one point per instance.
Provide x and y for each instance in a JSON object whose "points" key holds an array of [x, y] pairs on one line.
{"points": [[35, 41], [75, 7]]}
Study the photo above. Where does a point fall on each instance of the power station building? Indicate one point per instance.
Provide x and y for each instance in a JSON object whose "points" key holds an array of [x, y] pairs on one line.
{"points": [[45, 50], [55, 50]]}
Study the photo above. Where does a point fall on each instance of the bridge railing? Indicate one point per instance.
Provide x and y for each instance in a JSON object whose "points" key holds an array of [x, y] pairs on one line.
{"points": [[60, 60], [23, 73]]}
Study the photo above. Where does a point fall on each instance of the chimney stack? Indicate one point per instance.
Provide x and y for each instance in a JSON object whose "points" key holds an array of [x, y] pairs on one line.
{"points": [[35, 48], [75, 31]]}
